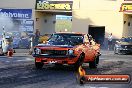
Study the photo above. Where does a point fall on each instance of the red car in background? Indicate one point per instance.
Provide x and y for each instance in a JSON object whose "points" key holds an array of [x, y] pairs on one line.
{"points": [[67, 48]]}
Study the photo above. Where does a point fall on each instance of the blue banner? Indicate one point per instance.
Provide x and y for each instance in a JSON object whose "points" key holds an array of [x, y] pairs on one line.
{"points": [[16, 13]]}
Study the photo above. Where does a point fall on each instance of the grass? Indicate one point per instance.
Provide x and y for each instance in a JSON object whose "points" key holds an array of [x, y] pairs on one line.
{"points": [[63, 24]]}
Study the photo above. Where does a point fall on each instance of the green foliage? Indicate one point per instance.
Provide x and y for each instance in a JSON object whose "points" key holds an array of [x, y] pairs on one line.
{"points": [[62, 24]]}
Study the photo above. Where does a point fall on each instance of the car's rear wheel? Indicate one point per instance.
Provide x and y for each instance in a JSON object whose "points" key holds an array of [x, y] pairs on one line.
{"points": [[97, 60], [93, 64], [39, 65]]}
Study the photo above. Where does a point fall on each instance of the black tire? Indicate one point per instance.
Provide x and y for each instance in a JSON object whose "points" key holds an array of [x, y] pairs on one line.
{"points": [[39, 65], [97, 60], [79, 62], [93, 64]]}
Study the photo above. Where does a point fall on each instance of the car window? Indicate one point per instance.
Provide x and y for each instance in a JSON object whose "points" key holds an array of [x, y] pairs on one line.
{"points": [[126, 39], [66, 39]]}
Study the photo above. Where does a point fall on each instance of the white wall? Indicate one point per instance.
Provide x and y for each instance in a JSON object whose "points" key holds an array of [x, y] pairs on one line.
{"points": [[127, 30], [102, 13], [27, 4], [45, 27]]}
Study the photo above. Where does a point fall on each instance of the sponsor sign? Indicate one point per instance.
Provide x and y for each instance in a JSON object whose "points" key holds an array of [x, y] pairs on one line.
{"points": [[126, 7], [82, 77], [27, 26], [16, 13], [108, 78], [54, 5]]}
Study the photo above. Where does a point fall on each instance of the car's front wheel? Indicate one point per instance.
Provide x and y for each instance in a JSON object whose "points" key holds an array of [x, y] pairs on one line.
{"points": [[39, 65], [79, 61]]}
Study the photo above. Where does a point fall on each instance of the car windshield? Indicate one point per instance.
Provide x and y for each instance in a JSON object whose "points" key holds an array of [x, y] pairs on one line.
{"points": [[126, 39], [65, 39]]}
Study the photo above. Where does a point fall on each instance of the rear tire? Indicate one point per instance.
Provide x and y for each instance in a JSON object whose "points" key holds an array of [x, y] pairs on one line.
{"points": [[97, 60], [39, 65], [93, 64]]}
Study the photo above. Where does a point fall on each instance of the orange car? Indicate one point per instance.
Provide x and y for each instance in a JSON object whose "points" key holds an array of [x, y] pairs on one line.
{"points": [[67, 48]]}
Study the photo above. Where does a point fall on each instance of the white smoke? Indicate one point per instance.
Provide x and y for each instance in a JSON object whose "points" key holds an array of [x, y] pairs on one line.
{"points": [[7, 23]]}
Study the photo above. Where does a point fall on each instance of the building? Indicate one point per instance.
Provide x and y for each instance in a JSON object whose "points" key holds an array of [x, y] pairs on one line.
{"points": [[96, 17], [102, 17]]}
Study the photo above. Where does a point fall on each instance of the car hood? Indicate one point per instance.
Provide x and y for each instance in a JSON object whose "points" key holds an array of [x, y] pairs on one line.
{"points": [[125, 43], [53, 46]]}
